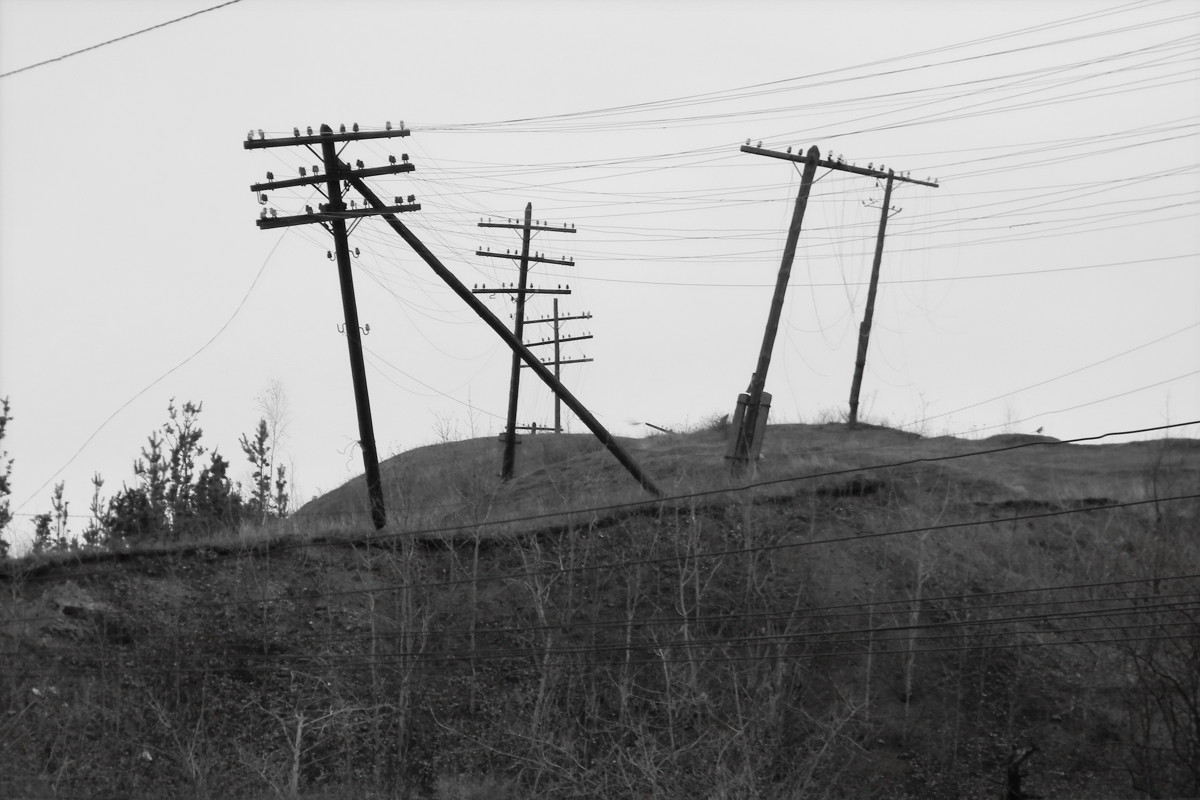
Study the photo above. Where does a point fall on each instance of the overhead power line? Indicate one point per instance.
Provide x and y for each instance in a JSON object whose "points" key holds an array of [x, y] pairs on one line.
{"points": [[118, 39], [163, 376]]}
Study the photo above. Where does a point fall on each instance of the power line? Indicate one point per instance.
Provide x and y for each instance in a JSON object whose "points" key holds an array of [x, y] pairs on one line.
{"points": [[119, 38], [714, 554], [1057, 377], [681, 649], [166, 374], [593, 511], [1097, 608]]}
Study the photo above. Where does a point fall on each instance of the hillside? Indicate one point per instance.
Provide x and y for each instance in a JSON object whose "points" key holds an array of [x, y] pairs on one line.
{"points": [[870, 614]]}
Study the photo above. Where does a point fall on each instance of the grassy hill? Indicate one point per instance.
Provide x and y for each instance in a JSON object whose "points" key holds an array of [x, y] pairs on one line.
{"points": [[868, 614]]}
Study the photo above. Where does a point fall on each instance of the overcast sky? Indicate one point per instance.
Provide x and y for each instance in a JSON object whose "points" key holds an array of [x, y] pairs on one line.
{"points": [[1050, 281]]}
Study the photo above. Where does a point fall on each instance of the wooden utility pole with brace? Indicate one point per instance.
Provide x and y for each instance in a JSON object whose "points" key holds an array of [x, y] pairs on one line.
{"points": [[748, 433], [333, 216]]}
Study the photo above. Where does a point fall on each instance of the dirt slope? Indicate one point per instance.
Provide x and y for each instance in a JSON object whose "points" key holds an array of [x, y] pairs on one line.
{"points": [[823, 627]]}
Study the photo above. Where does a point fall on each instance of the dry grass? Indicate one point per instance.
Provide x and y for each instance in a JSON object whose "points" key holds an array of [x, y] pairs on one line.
{"points": [[484, 645]]}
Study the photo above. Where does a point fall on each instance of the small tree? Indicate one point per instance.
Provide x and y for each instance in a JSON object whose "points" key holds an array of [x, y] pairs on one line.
{"points": [[59, 507], [94, 534], [218, 502], [43, 539], [50, 528], [258, 452], [152, 469], [281, 493], [181, 434], [130, 516]]}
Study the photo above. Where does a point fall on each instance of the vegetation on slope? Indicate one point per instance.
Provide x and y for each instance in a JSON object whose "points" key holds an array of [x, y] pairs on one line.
{"points": [[912, 631]]}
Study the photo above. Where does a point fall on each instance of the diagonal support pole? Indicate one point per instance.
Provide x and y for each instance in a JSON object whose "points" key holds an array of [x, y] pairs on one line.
{"points": [[516, 344]]}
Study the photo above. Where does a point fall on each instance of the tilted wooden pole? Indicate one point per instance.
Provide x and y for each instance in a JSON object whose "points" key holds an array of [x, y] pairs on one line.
{"points": [[758, 381], [508, 465], [516, 344], [864, 330], [812, 160], [557, 374], [358, 372]]}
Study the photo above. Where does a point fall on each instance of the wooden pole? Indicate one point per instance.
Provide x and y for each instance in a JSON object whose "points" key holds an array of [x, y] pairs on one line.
{"points": [[484, 313], [557, 371], [514, 383], [864, 330], [758, 381], [358, 372]]}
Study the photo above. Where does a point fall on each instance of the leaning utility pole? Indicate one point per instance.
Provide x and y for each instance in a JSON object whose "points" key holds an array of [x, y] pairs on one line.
{"points": [[332, 215], [864, 330], [558, 361], [527, 228], [748, 434]]}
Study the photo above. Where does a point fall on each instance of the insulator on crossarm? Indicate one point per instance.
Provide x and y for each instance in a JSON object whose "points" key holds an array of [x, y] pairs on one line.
{"points": [[387, 126], [391, 159], [302, 172], [296, 132], [359, 163], [342, 128], [274, 213], [250, 135], [270, 176], [316, 169], [356, 127], [262, 198], [263, 214], [309, 130], [308, 209], [261, 135], [404, 157]]}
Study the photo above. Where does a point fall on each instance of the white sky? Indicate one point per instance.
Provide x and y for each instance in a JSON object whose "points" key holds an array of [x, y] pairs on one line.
{"points": [[1066, 136]]}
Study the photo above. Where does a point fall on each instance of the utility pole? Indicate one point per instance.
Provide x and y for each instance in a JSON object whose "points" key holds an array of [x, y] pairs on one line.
{"points": [[748, 433], [558, 361], [864, 330], [333, 215], [493, 322], [527, 228]]}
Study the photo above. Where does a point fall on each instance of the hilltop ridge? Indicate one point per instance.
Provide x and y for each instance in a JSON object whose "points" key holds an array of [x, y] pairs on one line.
{"points": [[869, 614]]}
